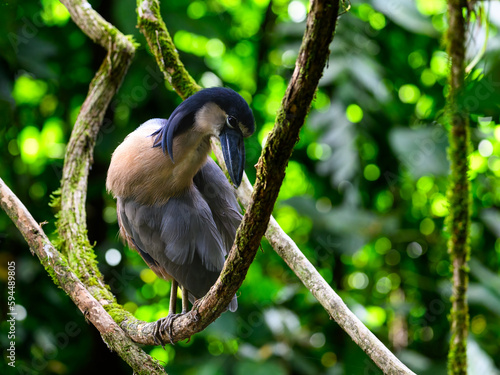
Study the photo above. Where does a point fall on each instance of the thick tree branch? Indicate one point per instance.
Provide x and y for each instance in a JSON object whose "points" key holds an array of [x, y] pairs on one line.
{"points": [[160, 43], [72, 226], [278, 239], [295, 106], [62, 274], [458, 220]]}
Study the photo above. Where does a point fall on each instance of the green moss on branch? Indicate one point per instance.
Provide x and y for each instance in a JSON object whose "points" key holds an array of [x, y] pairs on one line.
{"points": [[161, 45], [459, 197], [71, 224]]}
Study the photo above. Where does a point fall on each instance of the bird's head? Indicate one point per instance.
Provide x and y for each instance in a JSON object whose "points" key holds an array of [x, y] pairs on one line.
{"points": [[216, 111]]}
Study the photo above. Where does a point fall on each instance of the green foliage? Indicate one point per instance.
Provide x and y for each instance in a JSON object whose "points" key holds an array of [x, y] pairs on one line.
{"points": [[364, 196]]}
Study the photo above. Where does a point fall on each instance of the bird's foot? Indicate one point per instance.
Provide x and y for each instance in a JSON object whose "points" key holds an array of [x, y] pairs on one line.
{"points": [[164, 325]]}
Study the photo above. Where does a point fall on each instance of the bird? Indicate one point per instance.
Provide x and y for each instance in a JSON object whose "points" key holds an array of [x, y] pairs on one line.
{"points": [[175, 206]]}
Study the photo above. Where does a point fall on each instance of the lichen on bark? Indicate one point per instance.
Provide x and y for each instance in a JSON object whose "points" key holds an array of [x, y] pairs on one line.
{"points": [[459, 196]]}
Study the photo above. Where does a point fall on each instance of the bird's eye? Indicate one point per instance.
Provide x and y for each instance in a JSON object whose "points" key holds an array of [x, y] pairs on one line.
{"points": [[231, 122]]}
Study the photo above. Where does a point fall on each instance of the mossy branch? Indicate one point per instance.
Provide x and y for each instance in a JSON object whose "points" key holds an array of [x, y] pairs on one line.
{"points": [[319, 32], [458, 220], [71, 225], [153, 28], [160, 43]]}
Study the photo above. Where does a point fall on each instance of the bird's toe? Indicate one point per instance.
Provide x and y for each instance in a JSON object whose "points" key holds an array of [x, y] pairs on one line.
{"points": [[164, 325], [157, 334]]}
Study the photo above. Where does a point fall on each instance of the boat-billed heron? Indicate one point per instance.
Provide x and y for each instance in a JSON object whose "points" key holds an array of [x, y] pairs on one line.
{"points": [[174, 204]]}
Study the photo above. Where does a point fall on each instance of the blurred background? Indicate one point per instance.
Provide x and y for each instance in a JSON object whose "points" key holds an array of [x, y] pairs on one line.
{"points": [[364, 195]]}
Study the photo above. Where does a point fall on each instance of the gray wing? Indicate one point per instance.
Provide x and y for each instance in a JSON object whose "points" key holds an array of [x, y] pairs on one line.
{"points": [[180, 237], [220, 196]]}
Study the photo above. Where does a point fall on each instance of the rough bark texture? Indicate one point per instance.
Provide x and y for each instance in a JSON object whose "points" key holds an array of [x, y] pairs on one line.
{"points": [[78, 158], [458, 221], [72, 226], [279, 240], [271, 167], [160, 43]]}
